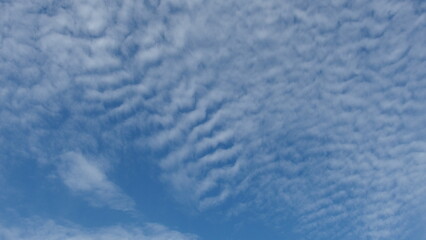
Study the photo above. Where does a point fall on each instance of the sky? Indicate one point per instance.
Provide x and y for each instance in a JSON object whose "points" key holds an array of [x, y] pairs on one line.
{"points": [[212, 120]]}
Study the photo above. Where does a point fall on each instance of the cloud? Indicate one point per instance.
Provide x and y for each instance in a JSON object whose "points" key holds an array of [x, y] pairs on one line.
{"points": [[283, 108], [89, 179], [326, 111], [50, 230]]}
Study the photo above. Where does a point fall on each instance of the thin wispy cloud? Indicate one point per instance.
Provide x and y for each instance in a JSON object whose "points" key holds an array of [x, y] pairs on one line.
{"points": [[88, 178], [37, 229]]}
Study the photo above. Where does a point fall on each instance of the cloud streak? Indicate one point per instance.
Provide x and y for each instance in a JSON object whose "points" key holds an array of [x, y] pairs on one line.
{"points": [[49, 230], [89, 179]]}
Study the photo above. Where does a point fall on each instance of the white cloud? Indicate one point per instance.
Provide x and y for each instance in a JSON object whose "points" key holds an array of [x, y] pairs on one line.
{"points": [[49, 230], [88, 178], [312, 106]]}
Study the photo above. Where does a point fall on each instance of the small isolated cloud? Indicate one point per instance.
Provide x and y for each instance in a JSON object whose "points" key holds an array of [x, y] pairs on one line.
{"points": [[89, 179], [49, 230]]}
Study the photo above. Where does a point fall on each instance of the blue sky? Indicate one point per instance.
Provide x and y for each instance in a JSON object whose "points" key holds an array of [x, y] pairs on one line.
{"points": [[212, 120]]}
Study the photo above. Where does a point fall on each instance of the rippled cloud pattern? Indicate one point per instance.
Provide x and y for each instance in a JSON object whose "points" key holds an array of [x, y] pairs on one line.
{"points": [[304, 112]]}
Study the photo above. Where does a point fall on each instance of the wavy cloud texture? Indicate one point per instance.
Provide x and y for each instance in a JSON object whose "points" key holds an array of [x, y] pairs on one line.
{"points": [[315, 109]]}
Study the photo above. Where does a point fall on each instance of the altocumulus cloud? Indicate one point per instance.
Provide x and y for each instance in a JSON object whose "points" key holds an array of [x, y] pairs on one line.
{"points": [[310, 109]]}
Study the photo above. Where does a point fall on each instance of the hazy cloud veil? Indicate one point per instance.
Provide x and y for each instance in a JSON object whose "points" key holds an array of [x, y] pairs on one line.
{"points": [[314, 109]]}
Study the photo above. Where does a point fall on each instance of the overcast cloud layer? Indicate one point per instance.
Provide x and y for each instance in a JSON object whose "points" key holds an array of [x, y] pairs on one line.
{"points": [[310, 112]]}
